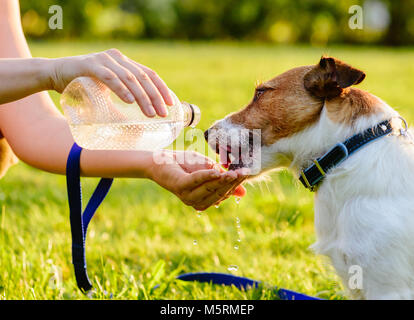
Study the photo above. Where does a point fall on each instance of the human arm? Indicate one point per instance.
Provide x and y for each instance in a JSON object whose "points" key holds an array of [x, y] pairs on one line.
{"points": [[40, 136], [21, 75], [131, 81]]}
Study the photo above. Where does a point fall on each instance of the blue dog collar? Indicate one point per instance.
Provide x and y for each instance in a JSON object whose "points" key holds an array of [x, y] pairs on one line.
{"points": [[314, 174]]}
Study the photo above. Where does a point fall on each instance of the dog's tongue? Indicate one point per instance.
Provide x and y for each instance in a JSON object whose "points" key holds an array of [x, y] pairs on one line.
{"points": [[223, 157]]}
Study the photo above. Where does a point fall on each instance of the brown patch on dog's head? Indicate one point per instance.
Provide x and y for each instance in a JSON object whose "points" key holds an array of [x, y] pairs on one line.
{"points": [[350, 105], [280, 107], [330, 77], [294, 100]]}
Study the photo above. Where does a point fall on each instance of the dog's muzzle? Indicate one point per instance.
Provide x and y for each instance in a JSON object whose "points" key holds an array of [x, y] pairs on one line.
{"points": [[237, 148]]}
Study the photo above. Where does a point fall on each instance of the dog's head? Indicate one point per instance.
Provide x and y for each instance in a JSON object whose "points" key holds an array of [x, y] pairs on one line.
{"points": [[286, 106]]}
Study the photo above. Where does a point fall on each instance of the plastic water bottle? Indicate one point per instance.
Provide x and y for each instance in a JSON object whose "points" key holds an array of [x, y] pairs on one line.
{"points": [[99, 120]]}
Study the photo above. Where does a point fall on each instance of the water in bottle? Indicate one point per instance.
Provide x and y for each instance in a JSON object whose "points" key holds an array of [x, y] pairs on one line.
{"points": [[99, 120]]}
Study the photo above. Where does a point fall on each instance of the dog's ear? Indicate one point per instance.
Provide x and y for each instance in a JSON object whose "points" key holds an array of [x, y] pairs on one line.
{"points": [[330, 77]]}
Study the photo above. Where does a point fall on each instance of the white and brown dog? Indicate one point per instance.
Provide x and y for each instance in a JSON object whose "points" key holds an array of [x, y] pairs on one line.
{"points": [[364, 206]]}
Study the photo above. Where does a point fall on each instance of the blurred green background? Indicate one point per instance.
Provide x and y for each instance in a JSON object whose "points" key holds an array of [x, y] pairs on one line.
{"points": [[315, 22], [210, 53]]}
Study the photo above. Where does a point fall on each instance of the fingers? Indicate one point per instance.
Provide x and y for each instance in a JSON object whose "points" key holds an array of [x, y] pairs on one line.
{"points": [[239, 190], [146, 83], [214, 192], [192, 161], [223, 193], [112, 81], [217, 188], [198, 178], [130, 81], [204, 188], [158, 82]]}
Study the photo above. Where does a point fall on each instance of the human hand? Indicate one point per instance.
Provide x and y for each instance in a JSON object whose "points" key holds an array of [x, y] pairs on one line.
{"points": [[197, 180], [128, 79]]}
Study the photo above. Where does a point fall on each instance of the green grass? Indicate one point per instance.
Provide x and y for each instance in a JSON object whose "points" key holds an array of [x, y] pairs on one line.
{"points": [[142, 235]]}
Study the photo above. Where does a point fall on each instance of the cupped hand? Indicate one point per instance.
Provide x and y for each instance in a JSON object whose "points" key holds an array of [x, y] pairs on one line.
{"points": [[131, 81], [200, 184]]}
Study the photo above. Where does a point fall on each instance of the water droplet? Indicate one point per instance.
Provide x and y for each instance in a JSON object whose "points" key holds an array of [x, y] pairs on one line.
{"points": [[195, 242], [216, 206], [199, 213], [237, 199], [238, 226], [238, 240], [233, 267], [237, 219], [236, 247]]}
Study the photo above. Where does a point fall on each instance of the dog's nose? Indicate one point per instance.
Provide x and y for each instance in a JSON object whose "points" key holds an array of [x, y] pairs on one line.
{"points": [[206, 134]]}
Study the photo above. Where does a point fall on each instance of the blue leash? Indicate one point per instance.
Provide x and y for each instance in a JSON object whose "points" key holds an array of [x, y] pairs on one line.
{"points": [[240, 283], [79, 225], [78, 221]]}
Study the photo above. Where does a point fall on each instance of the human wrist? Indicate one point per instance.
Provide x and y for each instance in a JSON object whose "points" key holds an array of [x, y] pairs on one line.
{"points": [[156, 165], [152, 170], [146, 166], [43, 71]]}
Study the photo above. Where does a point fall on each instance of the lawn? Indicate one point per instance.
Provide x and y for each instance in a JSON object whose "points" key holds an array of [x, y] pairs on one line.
{"points": [[142, 235]]}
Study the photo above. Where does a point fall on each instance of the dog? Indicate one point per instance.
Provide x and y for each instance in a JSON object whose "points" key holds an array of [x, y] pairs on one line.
{"points": [[364, 205]]}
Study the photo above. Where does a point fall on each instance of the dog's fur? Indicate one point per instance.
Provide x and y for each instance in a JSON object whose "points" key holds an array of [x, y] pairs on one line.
{"points": [[364, 208]]}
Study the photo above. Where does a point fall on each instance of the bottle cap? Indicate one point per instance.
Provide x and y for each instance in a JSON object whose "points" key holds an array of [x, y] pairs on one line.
{"points": [[196, 115]]}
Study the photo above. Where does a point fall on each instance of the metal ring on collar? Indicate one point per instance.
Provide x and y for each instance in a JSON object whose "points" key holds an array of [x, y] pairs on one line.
{"points": [[404, 131]]}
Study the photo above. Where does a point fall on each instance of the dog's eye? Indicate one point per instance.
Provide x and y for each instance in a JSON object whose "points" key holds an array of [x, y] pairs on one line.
{"points": [[258, 93]]}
